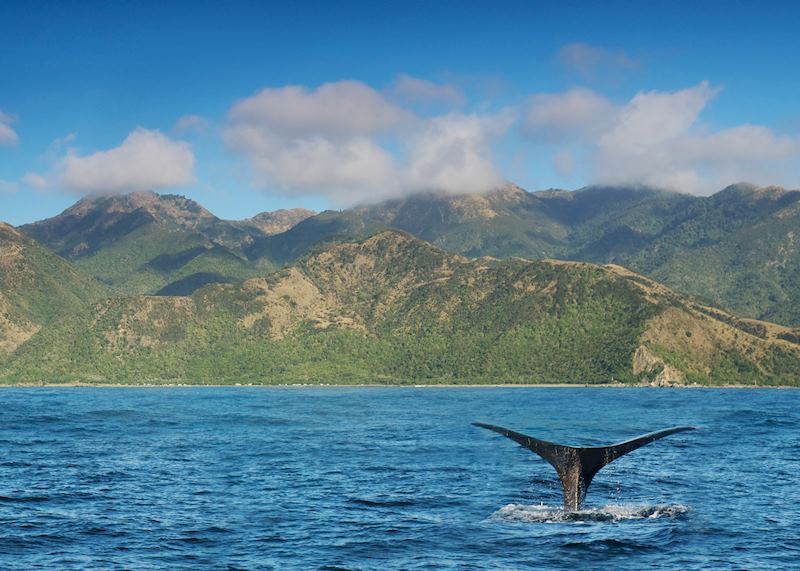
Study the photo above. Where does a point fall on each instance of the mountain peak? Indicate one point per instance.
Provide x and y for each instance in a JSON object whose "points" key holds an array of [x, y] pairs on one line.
{"points": [[278, 221], [753, 191], [7, 230], [161, 207]]}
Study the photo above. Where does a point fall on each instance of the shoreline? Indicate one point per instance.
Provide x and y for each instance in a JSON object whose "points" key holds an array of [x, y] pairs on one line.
{"points": [[384, 385]]}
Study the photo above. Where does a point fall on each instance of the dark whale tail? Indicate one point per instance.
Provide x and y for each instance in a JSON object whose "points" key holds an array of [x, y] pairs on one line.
{"points": [[577, 466]]}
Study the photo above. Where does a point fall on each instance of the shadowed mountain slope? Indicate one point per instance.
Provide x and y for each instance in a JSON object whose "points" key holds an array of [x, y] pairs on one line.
{"points": [[36, 287], [141, 242]]}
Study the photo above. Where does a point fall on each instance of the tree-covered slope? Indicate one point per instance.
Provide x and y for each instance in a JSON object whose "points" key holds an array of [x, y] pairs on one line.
{"points": [[737, 249], [142, 242], [36, 287], [394, 308]]}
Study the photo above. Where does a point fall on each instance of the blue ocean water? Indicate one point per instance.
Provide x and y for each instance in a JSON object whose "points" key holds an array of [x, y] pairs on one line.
{"points": [[392, 478]]}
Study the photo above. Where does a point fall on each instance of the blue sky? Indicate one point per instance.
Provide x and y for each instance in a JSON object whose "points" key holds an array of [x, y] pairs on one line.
{"points": [[116, 96]]}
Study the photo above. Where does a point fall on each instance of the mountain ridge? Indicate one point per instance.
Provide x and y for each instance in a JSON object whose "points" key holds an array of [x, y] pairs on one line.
{"points": [[393, 308], [693, 244], [736, 249], [127, 241]]}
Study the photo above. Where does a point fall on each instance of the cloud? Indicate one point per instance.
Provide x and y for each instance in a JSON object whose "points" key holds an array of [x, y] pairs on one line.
{"points": [[573, 114], [347, 171], [190, 124], [657, 139], [343, 108], [592, 62], [453, 154], [349, 142], [36, 181], [8, 137], [654, 117], [8, 187], [146, 160], [413, 90], [564, 163]]}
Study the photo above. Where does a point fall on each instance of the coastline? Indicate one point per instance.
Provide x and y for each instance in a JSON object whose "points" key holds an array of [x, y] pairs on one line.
{"points": [[387, 385]]}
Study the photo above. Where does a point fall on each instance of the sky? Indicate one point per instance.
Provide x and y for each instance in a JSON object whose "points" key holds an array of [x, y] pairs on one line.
{"points": [[254, 106]]}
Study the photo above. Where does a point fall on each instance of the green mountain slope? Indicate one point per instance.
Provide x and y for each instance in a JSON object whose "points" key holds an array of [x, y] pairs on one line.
{"points": [[737, 249], [394, 308], [36, 287], [142, 242]]}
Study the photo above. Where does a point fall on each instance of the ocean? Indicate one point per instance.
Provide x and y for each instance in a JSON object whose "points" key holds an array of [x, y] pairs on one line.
{"points": [[393, 478]]}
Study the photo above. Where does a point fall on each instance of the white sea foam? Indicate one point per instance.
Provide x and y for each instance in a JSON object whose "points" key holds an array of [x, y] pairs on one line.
{"points": [[610, 513]]}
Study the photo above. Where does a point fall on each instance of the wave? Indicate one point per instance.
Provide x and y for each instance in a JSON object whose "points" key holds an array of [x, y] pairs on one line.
{"points": [[541, 513], [381, 503]]}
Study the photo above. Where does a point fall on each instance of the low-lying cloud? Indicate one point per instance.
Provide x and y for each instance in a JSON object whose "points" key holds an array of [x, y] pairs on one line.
{"points": [[353, 144], [146, 160], [656, 139]]}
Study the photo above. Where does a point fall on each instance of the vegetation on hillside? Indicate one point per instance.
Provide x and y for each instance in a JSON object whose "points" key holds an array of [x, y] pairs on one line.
{"points": [[145, 243], [391, 308], [36, 288], [737, 249]]}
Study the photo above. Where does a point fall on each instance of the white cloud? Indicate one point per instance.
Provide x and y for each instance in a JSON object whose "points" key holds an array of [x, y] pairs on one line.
{"points": [[592, 62], [36, 181], [654, 117], [658, 139], [346, 141], [8, 137], [414, 90], [343, 108], [573, 114], [146, 160], [190, 124], [453, 154], [8, 187], [347, 171]]}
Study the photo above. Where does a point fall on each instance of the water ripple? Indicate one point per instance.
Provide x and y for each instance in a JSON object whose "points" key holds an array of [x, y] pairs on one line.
{"points": [[394, 478]]}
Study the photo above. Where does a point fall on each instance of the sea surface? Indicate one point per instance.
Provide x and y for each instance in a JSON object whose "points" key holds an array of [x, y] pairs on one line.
{"points": [[392, 478]]}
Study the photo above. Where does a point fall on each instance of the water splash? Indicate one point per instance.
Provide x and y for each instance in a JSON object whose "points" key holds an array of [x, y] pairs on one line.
{"points": [[521, 513]]}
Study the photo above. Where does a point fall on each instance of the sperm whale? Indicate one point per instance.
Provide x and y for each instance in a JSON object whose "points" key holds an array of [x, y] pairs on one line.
{"points": [[576, 466]]}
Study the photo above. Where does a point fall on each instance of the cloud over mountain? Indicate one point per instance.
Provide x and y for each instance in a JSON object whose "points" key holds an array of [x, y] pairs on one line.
{"points": [[351, 143], [657, 139], [146, 160]]}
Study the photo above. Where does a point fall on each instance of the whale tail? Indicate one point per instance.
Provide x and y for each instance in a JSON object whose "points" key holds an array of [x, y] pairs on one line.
{"points": [[577, 466]]}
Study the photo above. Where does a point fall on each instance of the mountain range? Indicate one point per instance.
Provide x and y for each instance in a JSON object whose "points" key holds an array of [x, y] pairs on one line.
{"points": [[433, 288], [737, 249], [160, 244]]}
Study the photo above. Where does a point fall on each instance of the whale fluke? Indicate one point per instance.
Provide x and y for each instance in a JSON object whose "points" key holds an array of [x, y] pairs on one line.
{"points": [[576, 466]]}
